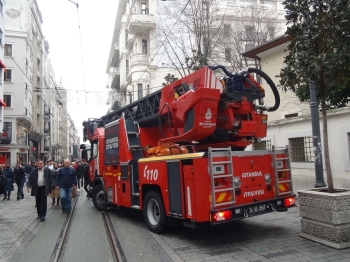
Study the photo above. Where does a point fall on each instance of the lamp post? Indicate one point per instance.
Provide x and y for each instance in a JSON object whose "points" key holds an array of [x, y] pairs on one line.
{"points": [[315, 122]]}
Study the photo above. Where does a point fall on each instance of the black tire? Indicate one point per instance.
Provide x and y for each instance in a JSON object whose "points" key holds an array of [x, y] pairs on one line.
{"points": [[154, 213], [99, 198]]}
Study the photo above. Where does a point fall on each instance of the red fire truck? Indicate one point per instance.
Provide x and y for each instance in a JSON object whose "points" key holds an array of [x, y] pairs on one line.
{"points": [[209, 178]]}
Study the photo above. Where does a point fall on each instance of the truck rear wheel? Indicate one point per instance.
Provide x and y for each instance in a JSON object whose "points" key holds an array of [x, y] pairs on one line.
{"points": [[154, 213], [99, 198]]}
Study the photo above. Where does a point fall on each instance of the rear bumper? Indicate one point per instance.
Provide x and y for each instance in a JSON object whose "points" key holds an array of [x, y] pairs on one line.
{"points": [[255, 209]]}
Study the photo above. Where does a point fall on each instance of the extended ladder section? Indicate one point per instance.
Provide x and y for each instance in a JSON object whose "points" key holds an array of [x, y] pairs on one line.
{"points": [[283, 175], [221, 166]]}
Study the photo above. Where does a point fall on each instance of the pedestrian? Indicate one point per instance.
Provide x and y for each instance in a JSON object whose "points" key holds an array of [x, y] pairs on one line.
{"points": [[19, 178], [28, 168], [40, 185], [86, 177], [66, 183], [80, 172], [50, 164], [55, 193], [3, 182], [10, 177]]}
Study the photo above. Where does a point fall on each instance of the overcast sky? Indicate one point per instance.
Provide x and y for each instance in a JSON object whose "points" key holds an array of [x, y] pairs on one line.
{"points": [[61, 21]]}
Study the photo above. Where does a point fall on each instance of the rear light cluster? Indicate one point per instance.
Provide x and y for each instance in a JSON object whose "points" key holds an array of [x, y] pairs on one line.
{"points": [[222, 216], [290, 201]]}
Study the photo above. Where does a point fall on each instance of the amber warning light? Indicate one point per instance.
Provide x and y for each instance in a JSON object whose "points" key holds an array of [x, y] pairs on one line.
{"points": [[222, 216], [290, 201]]}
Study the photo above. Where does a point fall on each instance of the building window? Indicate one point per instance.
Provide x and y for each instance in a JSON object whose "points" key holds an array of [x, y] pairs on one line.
{"points": [[8, 100], [205, 6], [249, 32], [139, 91], [144, 46], [228, 54], [144, 10], [271, 31], [8, 50], [290, 115], [265, 4], [247, 3], [249, 46], [127, 67], [301, 149], [262, 145], [227, 29], [6, 134], [1, 36], [126, 37], [8, 75], [1, 7]]}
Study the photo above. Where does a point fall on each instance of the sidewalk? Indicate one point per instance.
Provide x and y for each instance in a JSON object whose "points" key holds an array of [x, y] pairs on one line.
{"points": [[18, 223]]}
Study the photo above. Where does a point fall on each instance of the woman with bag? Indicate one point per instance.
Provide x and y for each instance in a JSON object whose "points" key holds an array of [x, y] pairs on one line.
{"points": [[55, 193], [10, 177]]}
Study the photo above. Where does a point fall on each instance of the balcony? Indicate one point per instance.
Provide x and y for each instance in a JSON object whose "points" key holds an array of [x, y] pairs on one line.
{"points": [[116, 78], [139, 23], [139, 59], [24, 120]]}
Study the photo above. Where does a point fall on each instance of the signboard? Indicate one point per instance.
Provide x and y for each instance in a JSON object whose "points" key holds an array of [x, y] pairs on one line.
{"points": [[112, 144]]}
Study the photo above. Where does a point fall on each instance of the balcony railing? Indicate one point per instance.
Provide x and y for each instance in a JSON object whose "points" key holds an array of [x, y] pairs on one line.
{"points": [[138, 23], [139, 59]]}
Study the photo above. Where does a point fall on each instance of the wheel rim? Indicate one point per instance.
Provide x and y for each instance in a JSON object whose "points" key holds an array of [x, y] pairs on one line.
{"points": [[100, 198], [153, 212]]}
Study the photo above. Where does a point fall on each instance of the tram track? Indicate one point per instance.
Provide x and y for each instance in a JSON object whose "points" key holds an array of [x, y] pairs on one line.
{"points": [[115, 247]]}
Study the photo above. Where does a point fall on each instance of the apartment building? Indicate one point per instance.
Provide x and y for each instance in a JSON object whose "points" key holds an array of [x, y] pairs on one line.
{"points": [[30, 91], [2, 67], [141, 55]]}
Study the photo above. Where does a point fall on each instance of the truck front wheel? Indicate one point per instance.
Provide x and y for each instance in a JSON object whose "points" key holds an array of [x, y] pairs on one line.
{"points": [[99, 198], [154, 213]]}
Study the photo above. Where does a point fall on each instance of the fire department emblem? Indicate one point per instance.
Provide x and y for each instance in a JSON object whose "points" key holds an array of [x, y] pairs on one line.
{"points": [[208, 114]]}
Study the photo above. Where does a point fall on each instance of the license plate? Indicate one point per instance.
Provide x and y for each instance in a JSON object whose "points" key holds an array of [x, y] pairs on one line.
{"points": [[257, 209]]}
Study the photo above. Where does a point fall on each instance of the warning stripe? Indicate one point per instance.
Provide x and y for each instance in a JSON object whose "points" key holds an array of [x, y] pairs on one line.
{"points": [[222, 197]]}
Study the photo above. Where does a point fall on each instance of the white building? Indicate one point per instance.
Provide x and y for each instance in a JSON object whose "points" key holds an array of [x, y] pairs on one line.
{"points": [[2, 64], [28, 116], [291, 124], [138, 59]]}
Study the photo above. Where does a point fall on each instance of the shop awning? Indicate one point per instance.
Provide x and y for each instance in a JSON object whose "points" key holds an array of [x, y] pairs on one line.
{"points": [[2, 103], [2, 65]]}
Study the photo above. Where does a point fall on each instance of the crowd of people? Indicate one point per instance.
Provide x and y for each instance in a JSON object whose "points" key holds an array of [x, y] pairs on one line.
{"points": [[59, 180]]}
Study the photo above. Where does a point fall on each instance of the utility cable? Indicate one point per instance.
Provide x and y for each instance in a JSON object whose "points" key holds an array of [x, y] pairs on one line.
{"points": [[81, 51]]}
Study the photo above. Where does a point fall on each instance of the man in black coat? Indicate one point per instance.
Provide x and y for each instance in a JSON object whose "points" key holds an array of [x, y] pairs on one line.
{"points": [[40, 185], [20, 176]]}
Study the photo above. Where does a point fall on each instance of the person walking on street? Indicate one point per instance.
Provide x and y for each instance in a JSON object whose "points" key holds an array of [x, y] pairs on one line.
{"points": [[55, 194], [19, 178], [3, 182], [86, 177], [28, 168], [40, 185], [10, 180], [50, 164], [66, 181], [80, 173]]}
